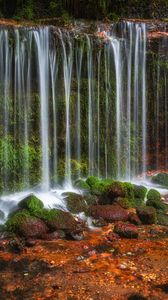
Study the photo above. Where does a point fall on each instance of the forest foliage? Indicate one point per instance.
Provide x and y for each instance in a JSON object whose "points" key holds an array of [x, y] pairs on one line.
{"points": [[92, 9]]}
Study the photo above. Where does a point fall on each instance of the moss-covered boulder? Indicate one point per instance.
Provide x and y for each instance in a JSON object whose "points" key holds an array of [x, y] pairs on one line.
{"points": [[136, 202], [140, 191], [91, 199], [31, 203], [157, 204], [161, 178], [134, 219], [109, 213], [58, 219], [162, 218], [129, 189], [76, 203], [116, 189], [123, 202], [153, 195], [26, 225], [82, 185], [147, 214], [126, 230], [92, 180]]}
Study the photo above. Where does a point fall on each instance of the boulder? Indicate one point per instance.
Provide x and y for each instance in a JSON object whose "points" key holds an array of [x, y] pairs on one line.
{"points": [[126, 230], [140, 191], [109, 213], [147, 214], [134, 219], [76, 203], [82, 185], [32, 228], [116, 189], [161, 178], [31, 203], [153, 195]]}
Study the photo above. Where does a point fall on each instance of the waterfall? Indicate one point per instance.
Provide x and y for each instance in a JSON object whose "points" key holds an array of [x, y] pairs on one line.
{"points": [[74, 106]]}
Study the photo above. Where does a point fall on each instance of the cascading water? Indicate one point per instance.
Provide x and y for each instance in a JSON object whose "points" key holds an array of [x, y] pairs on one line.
{"points": [[76, 106]]}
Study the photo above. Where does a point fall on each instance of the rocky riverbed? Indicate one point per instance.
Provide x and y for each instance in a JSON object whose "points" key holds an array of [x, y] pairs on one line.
{"points": [[101, 266]]}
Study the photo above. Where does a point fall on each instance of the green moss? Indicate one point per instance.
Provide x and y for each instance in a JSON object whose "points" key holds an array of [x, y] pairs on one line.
{"points": [[47, 214], [161, 179], [31, 203], [81, 184], [75, 203], [153, 195], [13, 223], [158, 204], [136, 202], [147, 214], [140, 191], [130, 189], [92, 180], [123, 202], [162, 219]]}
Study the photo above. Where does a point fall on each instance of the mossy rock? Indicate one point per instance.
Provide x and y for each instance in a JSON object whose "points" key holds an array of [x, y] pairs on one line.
{"points": [[162, 219], [91, 199], [116, 189], [157, 204], [123, 202], [92, 180], [140, 191], [130, 190], [82, 185], [31, 203], [147, 215], [14, 221], [161, 178], [136, 202], [153, 195], [76, 203]]}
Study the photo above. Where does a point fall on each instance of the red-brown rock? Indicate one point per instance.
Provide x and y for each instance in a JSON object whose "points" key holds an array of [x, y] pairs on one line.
{"points": [[126, 230], [110, 213], [32, 228]]}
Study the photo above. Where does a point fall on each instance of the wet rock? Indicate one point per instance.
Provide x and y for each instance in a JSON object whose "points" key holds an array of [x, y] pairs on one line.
{"points": [[82, 185], [109, 213], [112, 236], [30, 243], [77, 236], [91, 199], [116, 189], [153, 195], [51, 236], [16, 245], [76, 203], [134, 219], [61, 220], [31, 203], [126, 230], [147, 214], [140, 191], [161, 178], [123, 202], [32, 227], [162, 218], [99, 222]]}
